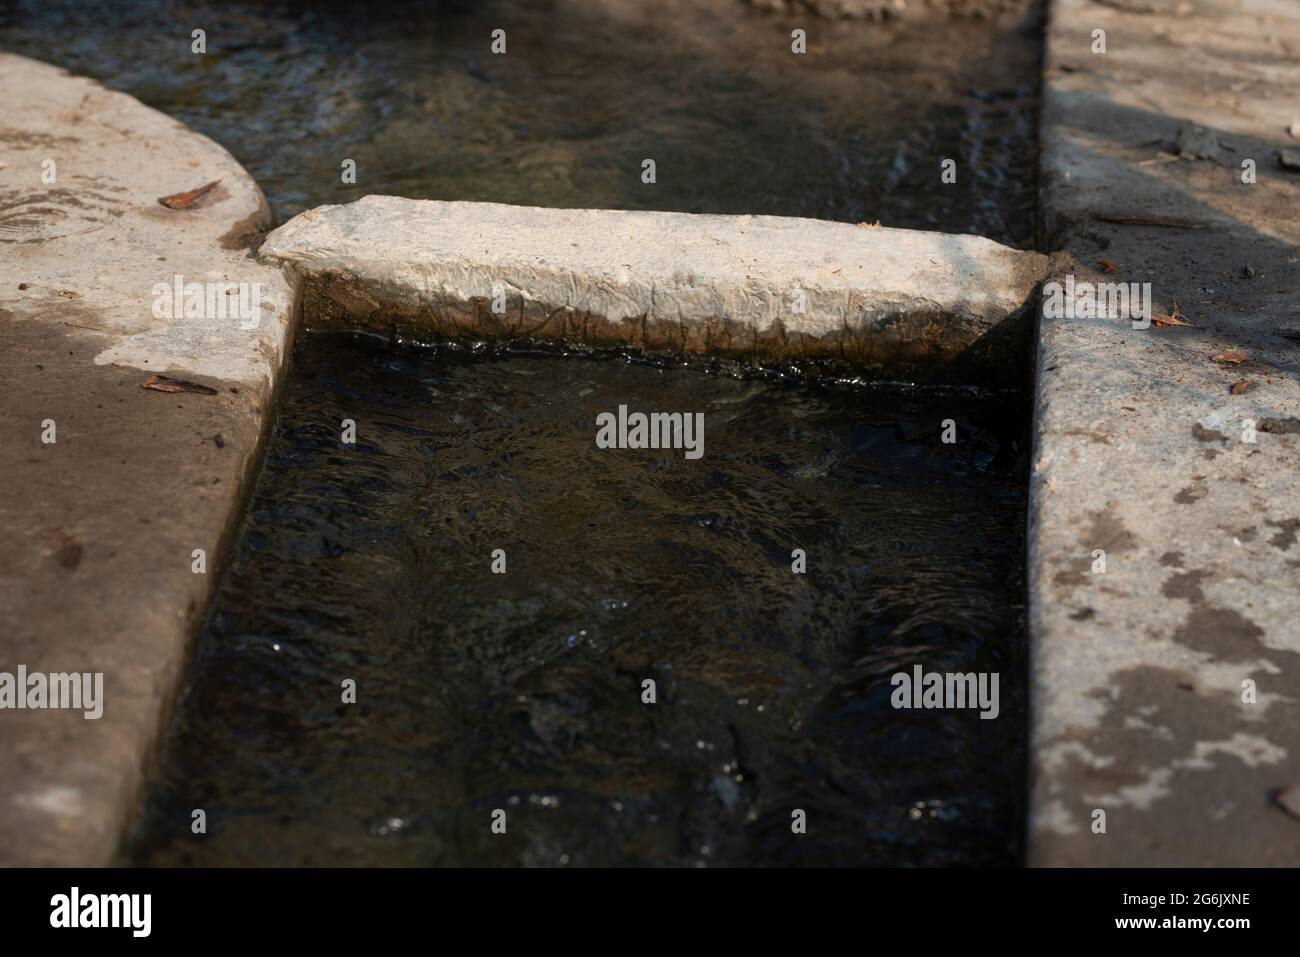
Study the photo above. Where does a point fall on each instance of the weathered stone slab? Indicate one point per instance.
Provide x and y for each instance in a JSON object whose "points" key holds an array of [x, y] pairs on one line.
{"points": [[902, 302], [1166, 680], [98, 527]]}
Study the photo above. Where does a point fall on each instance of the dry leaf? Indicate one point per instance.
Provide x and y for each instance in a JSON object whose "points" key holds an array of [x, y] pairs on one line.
{"points": [[161, 383], [1233, 357], [1174, 318], [186, 200], [1237, 388], [1107, 266]]}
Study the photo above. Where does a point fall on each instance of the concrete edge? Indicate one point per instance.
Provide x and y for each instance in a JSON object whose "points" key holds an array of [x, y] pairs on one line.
{"points": [[112, 482], [1164, 680]]}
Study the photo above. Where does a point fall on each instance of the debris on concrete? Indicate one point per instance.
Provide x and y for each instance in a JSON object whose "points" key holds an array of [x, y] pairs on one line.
{"points": [[1233, 357], [162, 383], [1287, 426], [1199, 143], [1174, 317], [187, 200], [1196, 142]]}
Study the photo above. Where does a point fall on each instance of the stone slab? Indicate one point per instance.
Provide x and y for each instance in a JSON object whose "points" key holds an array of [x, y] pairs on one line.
{"points": [[97, 529], [766, 288]]}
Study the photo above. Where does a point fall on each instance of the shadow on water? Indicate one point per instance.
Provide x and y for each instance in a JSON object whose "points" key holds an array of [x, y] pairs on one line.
{"points": [[523, 691]]}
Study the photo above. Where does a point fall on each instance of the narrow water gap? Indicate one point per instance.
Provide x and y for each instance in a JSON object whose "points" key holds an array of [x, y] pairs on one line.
{"points": [[525, 691]]}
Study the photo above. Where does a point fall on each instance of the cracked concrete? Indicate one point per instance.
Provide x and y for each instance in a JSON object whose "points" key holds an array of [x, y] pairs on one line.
{"points": [[1166, 687]]}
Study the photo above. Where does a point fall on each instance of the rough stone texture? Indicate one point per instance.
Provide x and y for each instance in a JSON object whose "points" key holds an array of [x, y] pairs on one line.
{"points": [[97, 529], [902, 302], [1138, 672]]}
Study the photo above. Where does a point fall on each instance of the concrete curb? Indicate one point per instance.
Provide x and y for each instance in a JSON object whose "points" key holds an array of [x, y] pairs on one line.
{"points": [[1143, 670], [100, 525], [922, 305]]}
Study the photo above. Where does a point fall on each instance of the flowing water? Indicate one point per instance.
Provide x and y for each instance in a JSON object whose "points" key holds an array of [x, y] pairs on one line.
{"points": [[854, 130], [523, 691]]}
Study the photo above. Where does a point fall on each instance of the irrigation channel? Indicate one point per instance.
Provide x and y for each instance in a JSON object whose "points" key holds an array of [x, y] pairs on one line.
{"points": [[526, 691]]}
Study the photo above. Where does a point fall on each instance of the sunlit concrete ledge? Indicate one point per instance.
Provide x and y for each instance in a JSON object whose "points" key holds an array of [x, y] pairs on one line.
{"points": [[99, 527], [927, 306], [1163, 564]]}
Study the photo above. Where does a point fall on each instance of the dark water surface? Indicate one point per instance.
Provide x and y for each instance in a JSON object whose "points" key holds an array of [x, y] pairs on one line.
{"points": [[523, 691], [854, 130]]}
